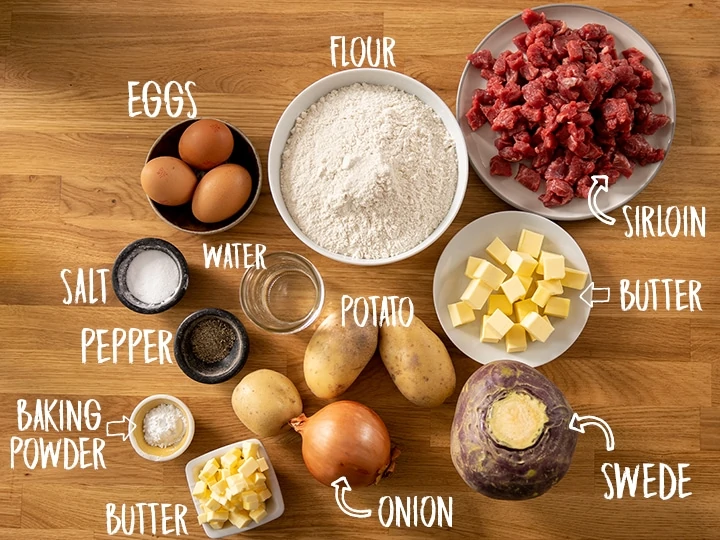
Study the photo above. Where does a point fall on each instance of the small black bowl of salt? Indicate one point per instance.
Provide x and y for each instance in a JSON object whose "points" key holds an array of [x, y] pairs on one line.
{"points": [[211, 346], [150, 276]]}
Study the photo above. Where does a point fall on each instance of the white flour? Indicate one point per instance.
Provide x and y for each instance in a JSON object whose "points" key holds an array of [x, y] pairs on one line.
{"points": [[369, 171]]}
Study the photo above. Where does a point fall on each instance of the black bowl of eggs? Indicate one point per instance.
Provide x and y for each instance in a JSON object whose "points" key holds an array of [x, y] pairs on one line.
{"points": [[202, 176]]}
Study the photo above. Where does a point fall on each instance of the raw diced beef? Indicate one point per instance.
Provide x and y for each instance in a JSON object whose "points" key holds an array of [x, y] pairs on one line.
{"points": [[528, 178], [500, 167]]}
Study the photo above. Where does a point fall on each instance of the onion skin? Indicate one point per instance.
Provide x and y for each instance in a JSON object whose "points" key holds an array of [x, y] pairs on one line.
{"points": [[347, 439], [504, 473]]}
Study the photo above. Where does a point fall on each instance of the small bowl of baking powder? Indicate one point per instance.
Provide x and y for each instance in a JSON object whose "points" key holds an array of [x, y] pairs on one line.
{"points": [[164, 428], [150, 276]]}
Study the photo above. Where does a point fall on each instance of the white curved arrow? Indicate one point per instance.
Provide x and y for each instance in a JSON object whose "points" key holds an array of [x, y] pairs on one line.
{"points": [[600, 183], [578, 423], [341, 486]]}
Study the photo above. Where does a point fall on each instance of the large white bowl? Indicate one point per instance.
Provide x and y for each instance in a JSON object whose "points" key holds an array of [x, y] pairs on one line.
{"points": [[371, 76]]}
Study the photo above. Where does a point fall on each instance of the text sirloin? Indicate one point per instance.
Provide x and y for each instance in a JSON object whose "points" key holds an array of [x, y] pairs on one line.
{"points": [[58, 416]]}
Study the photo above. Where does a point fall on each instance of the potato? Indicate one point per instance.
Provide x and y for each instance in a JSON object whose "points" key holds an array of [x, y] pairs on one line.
{"points": [[418, 362], [336, 355], [265, 401]]}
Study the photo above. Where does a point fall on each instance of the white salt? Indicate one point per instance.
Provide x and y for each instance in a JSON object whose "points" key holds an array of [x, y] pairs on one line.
{"points": [[153, 276]]}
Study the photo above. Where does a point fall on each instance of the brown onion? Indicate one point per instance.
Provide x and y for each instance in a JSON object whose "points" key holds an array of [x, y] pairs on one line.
{"points": [[348, 439]]}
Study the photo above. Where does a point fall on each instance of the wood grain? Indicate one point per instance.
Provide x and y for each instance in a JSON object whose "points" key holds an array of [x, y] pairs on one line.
{"points": [[69, 196]]}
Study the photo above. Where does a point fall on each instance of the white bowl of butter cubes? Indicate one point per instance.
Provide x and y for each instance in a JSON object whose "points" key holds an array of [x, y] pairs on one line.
{"points": [[234, 488], [508, 286]]}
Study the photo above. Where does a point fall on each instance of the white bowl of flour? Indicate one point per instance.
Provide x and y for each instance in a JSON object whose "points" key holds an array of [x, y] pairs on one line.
{"points": [[368, 166]]}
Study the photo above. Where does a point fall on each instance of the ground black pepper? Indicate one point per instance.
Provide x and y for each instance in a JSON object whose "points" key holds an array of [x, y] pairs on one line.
{"points": [[212, 340]]}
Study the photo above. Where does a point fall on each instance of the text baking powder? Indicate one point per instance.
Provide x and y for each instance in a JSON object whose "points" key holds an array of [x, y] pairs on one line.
{"points": [[369, 171]]}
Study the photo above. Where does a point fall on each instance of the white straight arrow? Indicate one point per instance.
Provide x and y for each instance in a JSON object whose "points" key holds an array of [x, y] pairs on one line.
{"points": [[588, 295]]}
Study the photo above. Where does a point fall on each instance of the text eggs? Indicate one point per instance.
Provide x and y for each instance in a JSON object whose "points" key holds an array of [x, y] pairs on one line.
{"points": [[206, 144], [168, 180], [221, 193]]}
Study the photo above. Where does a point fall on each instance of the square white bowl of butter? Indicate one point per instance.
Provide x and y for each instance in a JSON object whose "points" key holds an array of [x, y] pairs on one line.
{"points": [[275, 506]]}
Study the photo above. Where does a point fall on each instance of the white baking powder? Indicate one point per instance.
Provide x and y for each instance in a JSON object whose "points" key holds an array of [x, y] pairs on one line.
{"points": [[164, 425], [152, 276], [369, 171]]}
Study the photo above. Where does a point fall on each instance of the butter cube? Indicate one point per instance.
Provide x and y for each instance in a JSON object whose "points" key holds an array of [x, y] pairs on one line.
{"points": [[548, 321], [460, 313], [257, 478], [558, 307], [499, 301], [236, 480], [218, 515], [514, 289], [553, 266], [248, 467], [490, 275], [262, 464], [498, 251], [524, 307], [217, 525], [574, 279], [537, 326], [199, 489], [515, 339], [527, 283], [240, 518], [212, 505], [250, 449], [472, 264], [209, 470], [500, 322], [476, 294], [541, 296], [219, 487], [230, 458], [487, 333], [530, 243], [553, 285], [521, 263], [264, 495], [258, 515], [219, 497], [540, 267], [250, 500], [202, 518]]}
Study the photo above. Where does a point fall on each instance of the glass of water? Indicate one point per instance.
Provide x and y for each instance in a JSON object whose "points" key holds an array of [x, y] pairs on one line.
{"points": [[284, 297]]}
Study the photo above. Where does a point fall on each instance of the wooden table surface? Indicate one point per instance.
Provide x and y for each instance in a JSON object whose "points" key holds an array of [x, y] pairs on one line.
{"points": [[70, 197]]}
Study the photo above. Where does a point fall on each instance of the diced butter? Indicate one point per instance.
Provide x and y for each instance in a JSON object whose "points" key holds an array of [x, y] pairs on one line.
{"points": [[537, 326], [237, 480], [541, 296], [256, 478], [218, 515], [553, 266], [487, 333], [521, 263], [230, 458], [515, 339], [460, 313], [574, 279], [530, 243], [500, 323], [199, 489], [258, 515], [250, 449], [219, 497], [248, 467], [527, 283], [472, 264], [498, 251], [202, 518], [219, 487], [514, 289], [262, 464], [212, 505], [558, 307], [217, 525], [490, 275], [499, 301], [240, 518], [250, 500], [554, 286], [540, 267], [524, 307], [476, 294], [209, 470], [264, 495]]}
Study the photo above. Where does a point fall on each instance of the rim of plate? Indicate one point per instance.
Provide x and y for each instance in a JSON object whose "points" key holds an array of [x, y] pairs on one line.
{"points": [[459, 117], [356, 76], [501, 354]]}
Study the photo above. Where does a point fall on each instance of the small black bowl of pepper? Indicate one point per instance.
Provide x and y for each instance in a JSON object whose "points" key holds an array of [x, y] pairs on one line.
{"points": [[211, 346]]}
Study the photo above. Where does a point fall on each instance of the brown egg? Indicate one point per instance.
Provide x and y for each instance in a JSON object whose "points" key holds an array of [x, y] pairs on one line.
{"points": [[206, 144], [167, 180], [221, 193]]}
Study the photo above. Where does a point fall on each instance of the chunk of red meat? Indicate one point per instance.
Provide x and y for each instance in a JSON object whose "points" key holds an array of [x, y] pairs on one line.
{"points": [[503, 141], [592, 31], [557, 170], [481, 59], [636, 147], [528, 178], [575, 50], [475, 118], [605, 77], [529, 72], [644, 74], [633, 55], [557, 193], [533, 114], [582, 188], [617, 114], [607, 46], [567, 87], [506, 119], [559, 26], [532, 18], [487, 73], [651, 123], [612, 174], [495, 86], [589, 54], [648, 96], [500, 66], [509, 153], [590, 89], [490, 112], [516, 60], [622, 164], [525, 149], [557, 101], [500, 167], [511, 93], [534, 93], [538, 55], [519, 41], [481, 97], [542, 34], [576, 170], [625, 74]]}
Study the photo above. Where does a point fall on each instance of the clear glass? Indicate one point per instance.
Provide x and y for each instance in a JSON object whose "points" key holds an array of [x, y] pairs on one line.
{"points": [[284, 297]]}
